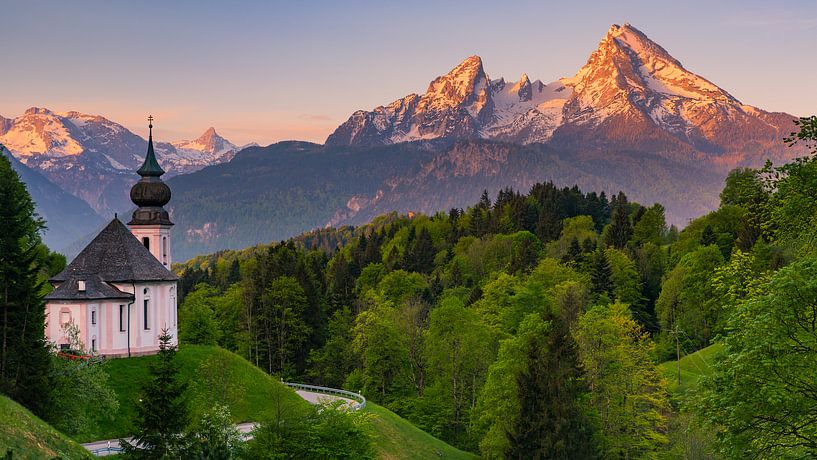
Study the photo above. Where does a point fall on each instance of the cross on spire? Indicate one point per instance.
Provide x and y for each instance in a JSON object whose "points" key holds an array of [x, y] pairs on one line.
{"points": [[150, 124]]}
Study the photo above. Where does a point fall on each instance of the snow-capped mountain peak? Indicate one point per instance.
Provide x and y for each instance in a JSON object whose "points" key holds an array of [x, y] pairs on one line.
{"points": [[209, 142], [631, 90]]}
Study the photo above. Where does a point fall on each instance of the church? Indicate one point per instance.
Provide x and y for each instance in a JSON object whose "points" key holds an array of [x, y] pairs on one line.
{"points": [[119, 291]]}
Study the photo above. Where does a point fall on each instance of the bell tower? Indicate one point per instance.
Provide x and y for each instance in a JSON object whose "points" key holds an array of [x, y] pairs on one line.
{"points": [[151, 223]]}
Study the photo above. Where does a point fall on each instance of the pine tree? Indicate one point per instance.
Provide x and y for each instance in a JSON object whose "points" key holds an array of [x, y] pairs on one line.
{"points": [[24, 355], [621, 229], [573, 256], [601, 274], [708, 236], [161, 412], [551, 423], [423, 252]]}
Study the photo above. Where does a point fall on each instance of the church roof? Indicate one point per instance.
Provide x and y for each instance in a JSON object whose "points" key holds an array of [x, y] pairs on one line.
{"points": [[95, 289], [115, 255]]}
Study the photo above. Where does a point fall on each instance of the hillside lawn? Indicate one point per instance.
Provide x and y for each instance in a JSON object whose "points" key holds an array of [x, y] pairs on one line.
{"points": [[693, 367], [28, 437], [396, 438], [214, 375]]}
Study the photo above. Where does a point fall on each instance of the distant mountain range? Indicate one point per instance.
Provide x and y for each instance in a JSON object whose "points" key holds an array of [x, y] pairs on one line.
{"points": [[93, 158], [632, 119]]}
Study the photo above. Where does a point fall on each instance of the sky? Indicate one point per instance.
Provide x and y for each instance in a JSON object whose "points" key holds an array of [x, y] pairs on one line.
{"points": [[266, 71]]}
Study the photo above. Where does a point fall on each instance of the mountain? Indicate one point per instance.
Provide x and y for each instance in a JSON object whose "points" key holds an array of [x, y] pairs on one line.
{"points": [[631, 94], [275, 192], [94, 158], [67, 217], [633, 118]]}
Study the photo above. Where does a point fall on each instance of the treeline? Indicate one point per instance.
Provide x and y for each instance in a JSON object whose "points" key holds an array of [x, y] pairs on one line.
{"points": [[448, 319], [531, 324]]}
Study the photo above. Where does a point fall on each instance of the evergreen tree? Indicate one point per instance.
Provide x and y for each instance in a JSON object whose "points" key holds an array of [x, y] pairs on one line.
{"points": [[24, 355], [601, 274], [161, 412], [708, 236], [573, 256], [621, 229], [423, 252], [551, 423]]}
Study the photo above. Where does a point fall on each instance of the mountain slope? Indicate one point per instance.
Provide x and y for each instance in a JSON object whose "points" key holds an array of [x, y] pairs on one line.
{"points": [[67, 217], [28, 437], [282, 190], [94, 158], [631, 94]]}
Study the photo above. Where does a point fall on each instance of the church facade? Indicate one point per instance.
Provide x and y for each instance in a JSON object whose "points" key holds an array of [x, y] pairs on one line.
{"points": [[119, 293]]}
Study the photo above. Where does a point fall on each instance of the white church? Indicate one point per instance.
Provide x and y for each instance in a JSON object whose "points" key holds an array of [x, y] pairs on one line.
{"points": [[119, 291]]}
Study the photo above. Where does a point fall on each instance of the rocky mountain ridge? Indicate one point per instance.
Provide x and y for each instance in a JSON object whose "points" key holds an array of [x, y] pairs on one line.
{"points": [[631, 93], [94, 158]]}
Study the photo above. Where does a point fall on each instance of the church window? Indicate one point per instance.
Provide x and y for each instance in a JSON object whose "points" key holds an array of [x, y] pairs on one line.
{"points": [[146, 241], [164, 250], [146, 308], [93, 317], [121, 318], [65, 317], [93, 344]]}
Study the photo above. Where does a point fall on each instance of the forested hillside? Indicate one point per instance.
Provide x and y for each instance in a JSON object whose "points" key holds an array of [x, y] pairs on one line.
{"points": [[534, 322]]}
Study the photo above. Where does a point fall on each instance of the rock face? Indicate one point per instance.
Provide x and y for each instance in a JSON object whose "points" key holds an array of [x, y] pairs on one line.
{"points": [[94, 158], [631, 94]]}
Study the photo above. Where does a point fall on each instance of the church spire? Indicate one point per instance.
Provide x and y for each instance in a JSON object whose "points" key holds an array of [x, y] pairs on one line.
{"points": [[150, 194], [150, 167]]}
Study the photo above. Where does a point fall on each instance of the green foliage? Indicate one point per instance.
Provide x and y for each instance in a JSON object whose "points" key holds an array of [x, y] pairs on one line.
{"points": [[627, 394], [214, 376], [214, 436], [81, 392], [551, 422], [27, 437], [325, 431], [197, 319], [771, 344], [687, 304], [24, 353], [283, 327], [499, 404], [161, 412], [458, 350]]}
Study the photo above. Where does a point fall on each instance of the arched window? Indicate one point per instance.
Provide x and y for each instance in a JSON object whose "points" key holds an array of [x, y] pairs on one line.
{"points": [[173, 304], [146, 242], [146, 303], [164, 250]]}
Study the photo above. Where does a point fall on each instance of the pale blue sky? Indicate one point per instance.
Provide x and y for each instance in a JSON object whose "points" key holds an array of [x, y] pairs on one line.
{"points": [[268, 71]]}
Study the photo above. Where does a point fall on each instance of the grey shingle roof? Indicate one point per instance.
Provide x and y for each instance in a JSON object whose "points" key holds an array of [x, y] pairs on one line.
{"points": [[95, 289], [115, 255]]}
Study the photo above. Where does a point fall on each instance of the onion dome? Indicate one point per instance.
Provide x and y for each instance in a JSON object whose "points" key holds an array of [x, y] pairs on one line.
{"points": [[150, 193]]}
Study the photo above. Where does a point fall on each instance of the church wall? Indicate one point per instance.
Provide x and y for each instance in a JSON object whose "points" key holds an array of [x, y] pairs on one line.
{"points": [[159, 241]]}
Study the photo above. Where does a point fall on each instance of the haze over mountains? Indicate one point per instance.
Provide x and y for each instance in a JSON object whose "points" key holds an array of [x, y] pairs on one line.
{"points": [[632, 119]]}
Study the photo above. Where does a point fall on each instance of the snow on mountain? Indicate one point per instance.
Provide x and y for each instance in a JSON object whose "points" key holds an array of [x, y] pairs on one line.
{"points": [[95, 158], [207, 149], [631, 93]]}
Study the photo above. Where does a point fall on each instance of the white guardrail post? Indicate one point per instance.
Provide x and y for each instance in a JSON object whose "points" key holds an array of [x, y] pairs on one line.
{"points": [[357, 397]]}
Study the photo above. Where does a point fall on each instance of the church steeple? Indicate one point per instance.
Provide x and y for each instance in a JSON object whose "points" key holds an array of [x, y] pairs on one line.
{"points": [[150, 167], [151, 222]]}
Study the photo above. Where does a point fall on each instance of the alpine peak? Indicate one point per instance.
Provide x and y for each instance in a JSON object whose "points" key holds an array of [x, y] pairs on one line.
{"points": [[630, 91]]}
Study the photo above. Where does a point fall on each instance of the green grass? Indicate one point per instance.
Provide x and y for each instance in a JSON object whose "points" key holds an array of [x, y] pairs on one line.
{"points": [[29, 437], [217, 375], [214, 375], [396, 438], [693, 367]]}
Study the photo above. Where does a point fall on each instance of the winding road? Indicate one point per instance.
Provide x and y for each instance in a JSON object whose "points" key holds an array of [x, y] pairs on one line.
{"points": [[312, 394]]}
